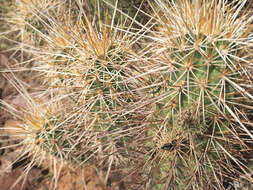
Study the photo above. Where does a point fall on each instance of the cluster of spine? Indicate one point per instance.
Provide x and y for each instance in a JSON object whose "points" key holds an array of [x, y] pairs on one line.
{"points": [[181, 105]]}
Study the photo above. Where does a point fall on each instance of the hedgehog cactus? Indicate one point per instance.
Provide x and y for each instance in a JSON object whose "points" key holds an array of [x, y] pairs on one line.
{"points": [[92, 69], [202, 50], [181, 106], [88, 68]]}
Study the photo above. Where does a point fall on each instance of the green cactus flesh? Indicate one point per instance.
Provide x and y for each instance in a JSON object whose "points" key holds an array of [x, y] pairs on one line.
{"points": [[195, 81]]}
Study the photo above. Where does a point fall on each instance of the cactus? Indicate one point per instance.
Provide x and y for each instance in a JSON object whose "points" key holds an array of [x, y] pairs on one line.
{"points": [[173, 95], [202, 52], [89, 69]]}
